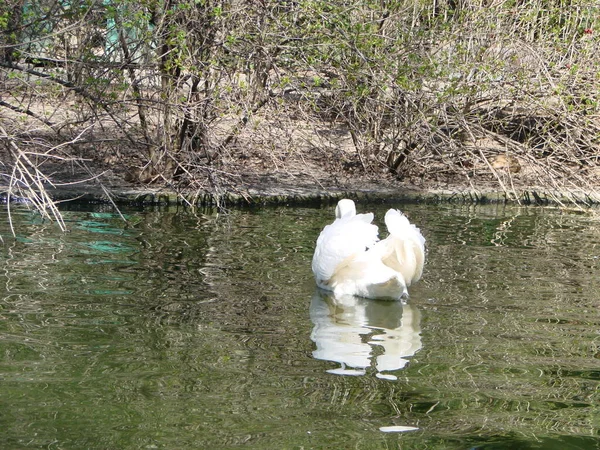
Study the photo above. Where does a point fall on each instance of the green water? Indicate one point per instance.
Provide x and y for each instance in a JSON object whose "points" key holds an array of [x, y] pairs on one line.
{"points": [[176, 330]]}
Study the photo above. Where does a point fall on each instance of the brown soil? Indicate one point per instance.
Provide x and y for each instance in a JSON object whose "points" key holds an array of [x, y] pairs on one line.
{"points": [[295, 160]]}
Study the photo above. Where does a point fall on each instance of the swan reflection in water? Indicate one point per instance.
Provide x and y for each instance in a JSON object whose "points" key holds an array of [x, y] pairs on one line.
{"points": [[357, 332]]}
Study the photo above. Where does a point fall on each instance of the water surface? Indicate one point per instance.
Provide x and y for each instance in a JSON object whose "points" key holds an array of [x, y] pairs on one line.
{"points": [[182, 330]]}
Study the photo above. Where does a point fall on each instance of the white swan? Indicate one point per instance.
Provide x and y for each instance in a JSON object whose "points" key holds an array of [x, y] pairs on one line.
{"points": [[350, 259]]}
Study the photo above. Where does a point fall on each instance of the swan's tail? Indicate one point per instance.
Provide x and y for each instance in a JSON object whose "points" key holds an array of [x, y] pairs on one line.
{"points": [[405, 246]]}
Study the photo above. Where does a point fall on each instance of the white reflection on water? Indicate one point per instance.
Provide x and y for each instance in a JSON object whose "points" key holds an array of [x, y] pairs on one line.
{"points": [[358, 333]]}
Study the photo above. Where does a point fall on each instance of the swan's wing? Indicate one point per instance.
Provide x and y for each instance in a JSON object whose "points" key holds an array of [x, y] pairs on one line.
{"points": [[404, 249], [342, 239], [399, 226]]}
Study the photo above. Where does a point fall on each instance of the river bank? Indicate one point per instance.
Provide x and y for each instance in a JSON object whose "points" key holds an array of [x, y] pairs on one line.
{"points": [[288, 189]]}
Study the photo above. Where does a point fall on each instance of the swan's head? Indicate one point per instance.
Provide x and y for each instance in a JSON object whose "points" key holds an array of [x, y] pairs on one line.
{"points": [[345, 208]]}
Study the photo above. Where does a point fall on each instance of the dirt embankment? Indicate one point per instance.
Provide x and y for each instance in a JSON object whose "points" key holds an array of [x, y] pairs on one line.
{"points": [[284, 159]]}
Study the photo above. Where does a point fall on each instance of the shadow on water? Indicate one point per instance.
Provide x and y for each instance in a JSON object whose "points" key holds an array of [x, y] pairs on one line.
{"points": [[177, 330]]}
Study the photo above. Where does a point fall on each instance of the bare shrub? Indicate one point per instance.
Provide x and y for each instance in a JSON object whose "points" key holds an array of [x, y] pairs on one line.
{"points": [[180, 92]]}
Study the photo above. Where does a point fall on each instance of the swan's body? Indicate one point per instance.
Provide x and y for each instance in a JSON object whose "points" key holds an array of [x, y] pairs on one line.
{"points": [[351, 260]]}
